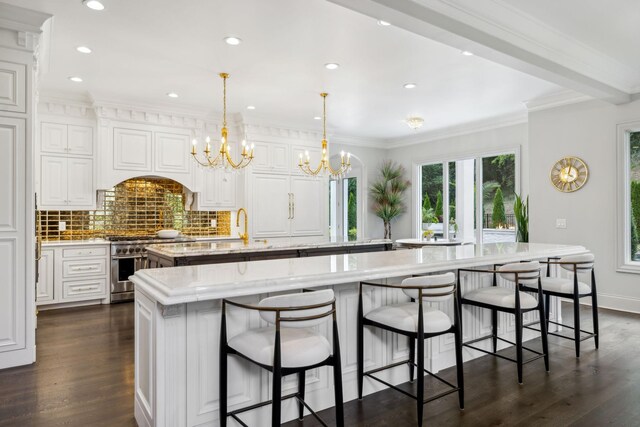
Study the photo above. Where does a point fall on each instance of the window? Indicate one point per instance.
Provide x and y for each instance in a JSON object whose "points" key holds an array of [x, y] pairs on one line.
{"points": [[449, 194], [629, 192]]}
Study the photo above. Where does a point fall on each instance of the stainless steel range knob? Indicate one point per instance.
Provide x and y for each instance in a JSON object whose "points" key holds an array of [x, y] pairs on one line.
{"points": [[138, 249], [118, 251]]}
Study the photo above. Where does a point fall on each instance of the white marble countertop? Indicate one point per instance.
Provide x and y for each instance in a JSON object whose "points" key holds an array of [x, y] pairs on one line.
{"points": [[432, 242], [177, 250], [177, 285]]}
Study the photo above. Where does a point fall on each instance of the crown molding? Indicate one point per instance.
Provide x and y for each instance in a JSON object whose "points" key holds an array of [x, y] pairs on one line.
{"points": [[459, 130], [565, 97], [21, 20], [63, 105]]}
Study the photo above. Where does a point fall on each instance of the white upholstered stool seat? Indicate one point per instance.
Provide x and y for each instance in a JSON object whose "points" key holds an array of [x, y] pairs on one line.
{"points": [[501, 297], [300, 346], [563, 286], [404, 317]]}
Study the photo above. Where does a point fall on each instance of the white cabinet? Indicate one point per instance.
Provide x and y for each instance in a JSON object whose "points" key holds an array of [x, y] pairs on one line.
{"points": [[132, 149], [66, 166], [308, 213], [44, 289], [172, 153], [315, 154], [13, 87], [271, 157], [288, 206], [73, 274], [58, 138], [219, 190], [66, 182]]}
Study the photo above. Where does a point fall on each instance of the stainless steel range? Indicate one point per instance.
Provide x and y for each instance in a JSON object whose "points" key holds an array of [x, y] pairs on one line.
{"points": [[128, 255]]}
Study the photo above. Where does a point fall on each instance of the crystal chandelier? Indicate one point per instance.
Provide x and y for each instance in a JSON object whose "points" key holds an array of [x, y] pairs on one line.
{"points": [[223, 158], [414, 122], [325, 166]]}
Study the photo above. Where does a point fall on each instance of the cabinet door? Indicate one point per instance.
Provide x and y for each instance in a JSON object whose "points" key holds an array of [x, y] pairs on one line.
{"points": [[80, 140], [53, 138], [270, 205], [270, 157], [13, 87], [315, 154], [80, 183], [132, 150], [227, 189], [309, 206], [44, 288], [53, 181], [172, 153]]}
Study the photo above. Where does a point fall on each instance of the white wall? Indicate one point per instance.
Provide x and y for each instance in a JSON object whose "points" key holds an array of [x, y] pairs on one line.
{"points": [[586, 130], [457, 147]]}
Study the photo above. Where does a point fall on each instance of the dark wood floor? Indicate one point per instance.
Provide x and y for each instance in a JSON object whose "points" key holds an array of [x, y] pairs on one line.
{"points": [[84, 377]]}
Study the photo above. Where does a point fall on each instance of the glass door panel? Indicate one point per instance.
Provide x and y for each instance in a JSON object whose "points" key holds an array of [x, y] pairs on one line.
{"points": [[498, 195]]}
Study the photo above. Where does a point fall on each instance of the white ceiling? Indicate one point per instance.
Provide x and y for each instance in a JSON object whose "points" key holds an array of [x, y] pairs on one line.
{"points": [[146, 48]]}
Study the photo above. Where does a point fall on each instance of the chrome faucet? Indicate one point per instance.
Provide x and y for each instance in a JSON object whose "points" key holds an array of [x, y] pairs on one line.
{"points": [[244, 236]]}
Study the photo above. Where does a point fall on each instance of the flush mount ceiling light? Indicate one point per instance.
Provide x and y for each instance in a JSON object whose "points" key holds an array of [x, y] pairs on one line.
{"points": [[383, 23], [317, 118], [223, 158], [410, 85], [172, 95], [251, 107], [414, 122], [325, 167], [331, 66], [93, 4], [83, 49], [75, 79], [233, 41], [466, 53]]}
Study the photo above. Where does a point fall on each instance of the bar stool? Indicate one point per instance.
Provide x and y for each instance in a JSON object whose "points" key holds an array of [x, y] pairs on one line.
{"points": [[514, 301], [417, 322], [290, 346], [573, 289]]}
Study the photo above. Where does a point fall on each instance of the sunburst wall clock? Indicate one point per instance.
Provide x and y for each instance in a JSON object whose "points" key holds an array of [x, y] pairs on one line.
{"points": [[569, 174]]}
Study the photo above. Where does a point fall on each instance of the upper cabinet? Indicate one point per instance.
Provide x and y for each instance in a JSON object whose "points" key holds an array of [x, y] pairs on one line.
{"points": [[66, 172], [13, 87], [172, 153], [271, 157], [132, 150], [219, 190]]}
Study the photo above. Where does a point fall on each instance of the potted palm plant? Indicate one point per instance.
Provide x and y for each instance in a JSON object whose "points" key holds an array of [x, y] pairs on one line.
{"points": [[387, 193], [521, 212]]}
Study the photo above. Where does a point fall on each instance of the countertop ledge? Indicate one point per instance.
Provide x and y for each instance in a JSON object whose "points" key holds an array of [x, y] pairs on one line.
{"points": [[178, 250], [177, 285]]}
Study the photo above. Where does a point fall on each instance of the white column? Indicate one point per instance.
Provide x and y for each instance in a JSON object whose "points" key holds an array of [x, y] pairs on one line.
{"points": [[18, 52], [465, 203]]}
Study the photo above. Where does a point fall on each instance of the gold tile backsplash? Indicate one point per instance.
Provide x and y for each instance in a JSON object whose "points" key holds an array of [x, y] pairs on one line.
{"points": [[136, 207]]}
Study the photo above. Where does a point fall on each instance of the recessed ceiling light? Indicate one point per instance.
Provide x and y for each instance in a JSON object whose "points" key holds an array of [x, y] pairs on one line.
{"points": [[317, 118], [383, 23], [251, 107], [233, 41], [172, 95], [409, 85], [83, 49], [466, 53], [93, 4], [331, 66], [75, 79]]}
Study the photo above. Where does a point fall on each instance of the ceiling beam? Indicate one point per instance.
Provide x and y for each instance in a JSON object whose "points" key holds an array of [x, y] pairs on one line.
{"points": [[439, 20]]}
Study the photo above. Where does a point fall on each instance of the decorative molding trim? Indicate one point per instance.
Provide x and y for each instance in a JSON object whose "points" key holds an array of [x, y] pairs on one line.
{"points": [[147, 114], [565, 97], [66, 107], [459, 130]]}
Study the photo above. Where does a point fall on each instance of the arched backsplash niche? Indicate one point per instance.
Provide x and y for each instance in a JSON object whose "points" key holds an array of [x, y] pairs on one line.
{"points": [[135, 207]]}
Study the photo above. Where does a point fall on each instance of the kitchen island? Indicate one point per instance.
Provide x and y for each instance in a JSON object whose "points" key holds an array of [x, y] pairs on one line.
{"points": [[177, 318], [180, 254]]}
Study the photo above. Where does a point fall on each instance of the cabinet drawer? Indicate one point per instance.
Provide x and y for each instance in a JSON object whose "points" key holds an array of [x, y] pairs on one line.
{"points": [[88, 251], [84, 267], [85, 289]]}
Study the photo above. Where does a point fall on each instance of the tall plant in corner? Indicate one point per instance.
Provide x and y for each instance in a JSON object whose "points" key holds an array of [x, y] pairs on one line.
{"points": [[521, 212], [387, 194]]}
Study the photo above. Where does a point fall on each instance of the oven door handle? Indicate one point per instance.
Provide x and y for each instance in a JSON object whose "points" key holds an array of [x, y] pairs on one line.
{"points": [[127, 257]]}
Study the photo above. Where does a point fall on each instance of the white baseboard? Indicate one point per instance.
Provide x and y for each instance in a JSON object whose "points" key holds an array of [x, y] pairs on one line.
{"points": [[616, 302]]}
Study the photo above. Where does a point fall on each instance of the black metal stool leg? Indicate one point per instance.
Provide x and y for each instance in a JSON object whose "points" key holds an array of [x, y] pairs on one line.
{"points": [[547, 309], [420, 344], [337, 377], [276, 406], [301, 386], [594, 309], [576, 321], [518, 315], [543, 312], [494, 329], [412, 357], [223, 371], [459, 361], [360, 344]]}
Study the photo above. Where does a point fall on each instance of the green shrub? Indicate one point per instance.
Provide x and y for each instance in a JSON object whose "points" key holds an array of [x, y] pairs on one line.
{"points": [[439, 206], [635, 202], [498, 217], [426, 203], [634, 237]]}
